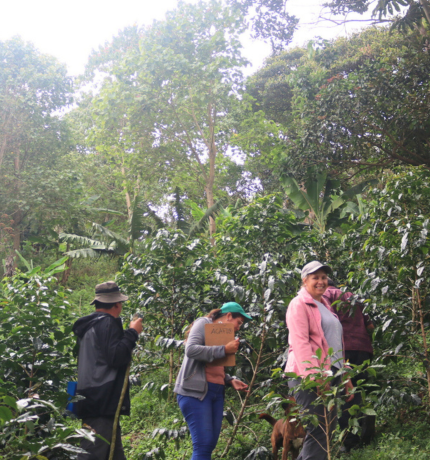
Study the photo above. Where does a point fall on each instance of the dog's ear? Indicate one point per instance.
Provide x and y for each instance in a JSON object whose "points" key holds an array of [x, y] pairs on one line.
{"points": [[287, 406]]}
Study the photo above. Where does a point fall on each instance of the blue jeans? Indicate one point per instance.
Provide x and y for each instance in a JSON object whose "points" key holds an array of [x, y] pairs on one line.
{"points": [[204, 419]]}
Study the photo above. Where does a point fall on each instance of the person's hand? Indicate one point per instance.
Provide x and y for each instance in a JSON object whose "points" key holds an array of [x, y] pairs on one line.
{"points": [[238, 385], [348, 388], [232, 347], [136, 324]]}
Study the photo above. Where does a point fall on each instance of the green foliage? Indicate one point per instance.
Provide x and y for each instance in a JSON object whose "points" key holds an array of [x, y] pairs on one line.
{"points": [[269, 87], [176, 280], [262, 227], [268, 20], [168, 280], [150, 413], [389, 249], [164, 116], [36, 362], [355, 105], [33, 89], [332, 394], [361, 103], [402, 14], [254, 261], [321, 206], [103, 241], [85, 275], [168, 110], [203, 216]]}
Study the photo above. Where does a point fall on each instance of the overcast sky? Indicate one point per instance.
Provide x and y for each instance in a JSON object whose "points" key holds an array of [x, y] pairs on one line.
{"points": [[71, 30]]}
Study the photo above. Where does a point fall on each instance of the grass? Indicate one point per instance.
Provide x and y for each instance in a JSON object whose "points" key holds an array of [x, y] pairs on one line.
{"points": [[398, 440]]}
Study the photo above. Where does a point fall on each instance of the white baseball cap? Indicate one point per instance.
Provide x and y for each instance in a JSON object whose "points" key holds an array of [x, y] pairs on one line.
{"points": [[313, 267]]}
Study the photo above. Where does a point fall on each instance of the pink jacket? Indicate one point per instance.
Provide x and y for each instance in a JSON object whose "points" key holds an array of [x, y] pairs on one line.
{"points": [[305, 335]]}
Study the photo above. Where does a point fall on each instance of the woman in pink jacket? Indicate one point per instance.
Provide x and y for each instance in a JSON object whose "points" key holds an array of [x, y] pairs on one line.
{"points": [[312, 325]]}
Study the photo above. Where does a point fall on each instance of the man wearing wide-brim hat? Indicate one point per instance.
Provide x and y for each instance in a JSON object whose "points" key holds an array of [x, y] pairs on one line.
{"points": [[105, 350]]}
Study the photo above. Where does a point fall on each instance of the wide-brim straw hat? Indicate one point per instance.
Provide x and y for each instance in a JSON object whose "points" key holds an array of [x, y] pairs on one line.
{"points": [[109, 292]]}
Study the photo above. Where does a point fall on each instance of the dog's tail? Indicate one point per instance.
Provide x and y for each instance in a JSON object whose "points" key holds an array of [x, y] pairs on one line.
{"points": [[269, 418]]}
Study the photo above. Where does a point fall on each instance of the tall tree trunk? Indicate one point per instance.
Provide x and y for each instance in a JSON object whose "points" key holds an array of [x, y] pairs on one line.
{"points": [[210, 203], [422, 316], [65, 275], [172, 336], [9, 266], [171, 369], [3, 149], [16, 230], [127, 195], [17, 215], [212, 158], [3, 144]]}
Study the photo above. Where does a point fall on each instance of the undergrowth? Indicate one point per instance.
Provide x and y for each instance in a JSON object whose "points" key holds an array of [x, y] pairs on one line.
{"points": [[405, 441], [85, 274]]}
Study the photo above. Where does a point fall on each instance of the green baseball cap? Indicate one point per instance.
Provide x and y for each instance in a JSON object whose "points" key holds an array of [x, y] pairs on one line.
{"points": [[233, 307]]}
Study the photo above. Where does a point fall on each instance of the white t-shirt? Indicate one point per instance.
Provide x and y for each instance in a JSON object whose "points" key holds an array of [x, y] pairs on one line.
{"points": [[333, 331]]}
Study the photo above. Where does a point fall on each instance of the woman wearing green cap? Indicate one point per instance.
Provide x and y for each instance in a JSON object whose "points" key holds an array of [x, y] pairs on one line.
{"points": [[200, 387]]}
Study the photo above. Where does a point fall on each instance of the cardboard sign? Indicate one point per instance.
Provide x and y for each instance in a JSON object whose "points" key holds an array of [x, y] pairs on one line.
{"points": [[220, 334]]}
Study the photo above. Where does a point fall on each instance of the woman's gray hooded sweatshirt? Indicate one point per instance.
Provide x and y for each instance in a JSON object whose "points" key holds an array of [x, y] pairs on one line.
{"points": [[191, 380]]}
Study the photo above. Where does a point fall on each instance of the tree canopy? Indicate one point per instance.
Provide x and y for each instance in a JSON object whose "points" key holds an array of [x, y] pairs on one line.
{"points": [[33, 89], [357, 104], [401, 14]]}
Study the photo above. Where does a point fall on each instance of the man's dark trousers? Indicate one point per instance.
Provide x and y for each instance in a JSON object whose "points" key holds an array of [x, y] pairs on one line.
{"points": [[367, 423], [99, 450]]}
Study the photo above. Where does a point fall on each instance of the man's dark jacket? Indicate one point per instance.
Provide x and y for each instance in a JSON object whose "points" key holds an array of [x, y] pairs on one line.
{"points": [[104, 353], [353, 321]]}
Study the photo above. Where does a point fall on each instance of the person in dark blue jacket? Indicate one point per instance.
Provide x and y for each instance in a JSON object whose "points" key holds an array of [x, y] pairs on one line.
{"points": [[357, 330], [105, 351]]}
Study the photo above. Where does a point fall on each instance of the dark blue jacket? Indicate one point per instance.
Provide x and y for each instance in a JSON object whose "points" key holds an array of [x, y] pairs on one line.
{"points": [[104, 352]]}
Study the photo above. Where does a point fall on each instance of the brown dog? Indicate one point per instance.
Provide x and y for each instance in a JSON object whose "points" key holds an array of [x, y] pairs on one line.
{"points": [[286, 434]]}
